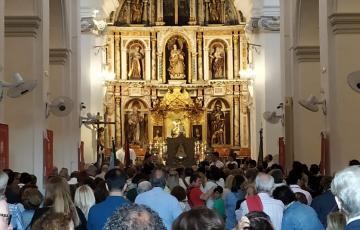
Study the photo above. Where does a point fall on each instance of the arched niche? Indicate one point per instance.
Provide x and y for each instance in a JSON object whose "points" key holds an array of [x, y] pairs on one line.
{"points": [[218, 122], [136, 119], [218, 59], [135, 60], [177, 59]]}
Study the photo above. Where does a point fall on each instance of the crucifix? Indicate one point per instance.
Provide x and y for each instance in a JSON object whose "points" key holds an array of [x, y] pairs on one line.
{"points": [[97, 121]]}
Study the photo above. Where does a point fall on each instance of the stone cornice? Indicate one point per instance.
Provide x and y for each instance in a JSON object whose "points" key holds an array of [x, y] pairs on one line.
{"points": [[22, 26], [58, 56], [345, 23], [307, 53]]}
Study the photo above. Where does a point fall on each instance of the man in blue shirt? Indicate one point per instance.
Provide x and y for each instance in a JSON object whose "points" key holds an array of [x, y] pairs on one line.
{"points": [[297, 216], [98, 214], [166, 205]]}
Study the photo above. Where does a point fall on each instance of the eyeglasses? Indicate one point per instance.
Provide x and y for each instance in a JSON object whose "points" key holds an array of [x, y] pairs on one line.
{"points": [[7, 216]]}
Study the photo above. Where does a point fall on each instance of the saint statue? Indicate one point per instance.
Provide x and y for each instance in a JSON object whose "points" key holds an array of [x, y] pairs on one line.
{"points": [[217, 125], [215, 8], [136, 11], [217, 63], [178, 128], [158, 136], [135, 63], [134, 122], [177, 65]]}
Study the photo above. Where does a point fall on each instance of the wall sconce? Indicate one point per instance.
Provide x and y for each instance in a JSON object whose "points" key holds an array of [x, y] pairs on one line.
{"points": [[311, 103]]}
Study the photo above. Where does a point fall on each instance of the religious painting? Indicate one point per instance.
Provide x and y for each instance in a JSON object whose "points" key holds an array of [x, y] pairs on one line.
{"points": [[136, 123], [217, 60], [136, 60], [197, 132], [176, 58], [136, 11], [215, 13], [218, 123], [157, 134], [184, 12]]}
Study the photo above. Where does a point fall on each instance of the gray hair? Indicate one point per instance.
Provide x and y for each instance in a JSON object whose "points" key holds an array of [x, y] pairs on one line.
{"points": [[3, 182], [264, 183], [134, 217], [345, 186], [143, 186]]}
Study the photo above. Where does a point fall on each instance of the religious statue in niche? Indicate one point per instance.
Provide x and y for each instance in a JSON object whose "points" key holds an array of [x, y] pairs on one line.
{"points": [[215, 11], [217, 120], [136, 57], [217, 58], [176, 58], [197, 135], [157, 134], [178, 128], [135, 121], [136, 11]]}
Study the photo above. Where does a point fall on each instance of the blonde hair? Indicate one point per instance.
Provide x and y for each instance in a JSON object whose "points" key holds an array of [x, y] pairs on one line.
{"points": [[336, 221], [58, 197], [84, 199]]}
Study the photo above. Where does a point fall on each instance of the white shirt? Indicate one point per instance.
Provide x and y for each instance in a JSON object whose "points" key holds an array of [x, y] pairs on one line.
{"points": [[120, 155], [208, 186], [232, 162], [353, 219], [272, 207], [296, 188]]}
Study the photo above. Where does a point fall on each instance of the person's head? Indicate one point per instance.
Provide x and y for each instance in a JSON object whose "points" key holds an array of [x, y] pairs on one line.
{"points": [[84, 198], [199, 219], [216, 156], [268, 158], [91, 170], [116, 180], [5, 216], [175, 47], [179, 192], [10, 174], [336, 221], [354, 162], [264, 183], [277, 175], [347, 193], [285, 194], [172, 179], [31, 198], [104, 168], [252, 164], [3, 182], [158, 178], [55, 221], [229, 181], [58, 197], [237, 183], [256, 221], [325, 183], [314, 169], [251, 174], [195, 180], [64, 172], [100, 190], [218, 191], [25, 178], [294, 177], [143, 186], [134, 217]]}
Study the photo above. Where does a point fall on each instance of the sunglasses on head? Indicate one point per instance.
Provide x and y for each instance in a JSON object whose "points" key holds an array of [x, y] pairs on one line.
{"points": [[6, 216]]}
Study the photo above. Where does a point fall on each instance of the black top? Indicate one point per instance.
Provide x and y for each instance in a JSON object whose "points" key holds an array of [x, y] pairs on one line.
{"points": [[41, 211]]}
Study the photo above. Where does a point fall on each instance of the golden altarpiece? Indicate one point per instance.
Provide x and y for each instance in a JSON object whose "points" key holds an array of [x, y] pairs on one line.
{"points": [[177, 66]]}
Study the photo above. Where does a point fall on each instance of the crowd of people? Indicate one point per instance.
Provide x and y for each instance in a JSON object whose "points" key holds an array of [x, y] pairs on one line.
{"points": [[216, 194]]}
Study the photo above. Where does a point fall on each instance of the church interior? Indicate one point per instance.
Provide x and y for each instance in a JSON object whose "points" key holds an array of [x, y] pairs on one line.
{"points": [[178, 79]]}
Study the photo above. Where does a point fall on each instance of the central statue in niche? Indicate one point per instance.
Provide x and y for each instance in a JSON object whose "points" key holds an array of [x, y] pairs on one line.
{"points": [[176, 58]]}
